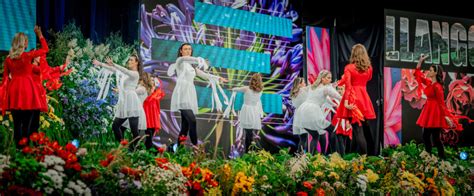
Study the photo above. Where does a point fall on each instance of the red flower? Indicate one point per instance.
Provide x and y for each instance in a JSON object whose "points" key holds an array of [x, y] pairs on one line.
{"points": [[27, 150], [104, 163], [71, 148], [161, 162], [23, 141], [160, 150], [55, 145], [110, 157], [301, 193], [90, 176], [124, 142], [308, 185], [34, 137], [320, 192], [197, 186], [182, 139], [451, 181], [197, 171], [76, 167], [213, 183]]}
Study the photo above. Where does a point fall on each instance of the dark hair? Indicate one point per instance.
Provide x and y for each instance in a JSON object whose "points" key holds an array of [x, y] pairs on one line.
{"points": [[439, 73], [181, 47], [141, 73]]}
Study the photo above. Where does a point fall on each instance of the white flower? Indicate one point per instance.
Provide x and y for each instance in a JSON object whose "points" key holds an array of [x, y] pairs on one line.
{"points": [[68, 191], [59, 168], [72, 43], [362, 182]]}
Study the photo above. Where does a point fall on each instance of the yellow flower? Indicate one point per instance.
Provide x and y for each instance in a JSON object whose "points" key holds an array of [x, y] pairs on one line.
{"points": [[334, 175], [336, 161], [371, 176], [10, 117], [318, 173], [1, 117], [435, 172], [415, 181]]}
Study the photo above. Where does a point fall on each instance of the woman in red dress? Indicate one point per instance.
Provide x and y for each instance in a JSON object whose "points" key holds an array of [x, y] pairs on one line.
{"points": [[151, 105], [23, 97], [41, 72], [434, 115], [357, 74]]}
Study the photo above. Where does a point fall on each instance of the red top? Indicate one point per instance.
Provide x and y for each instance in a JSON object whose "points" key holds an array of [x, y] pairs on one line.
{"points": [[434, 111], [22, 93], [151, 105], [43, 72], [356, 92]]}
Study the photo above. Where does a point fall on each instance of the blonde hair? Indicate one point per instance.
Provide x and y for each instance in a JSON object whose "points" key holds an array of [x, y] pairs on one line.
{"points": [[147, 82], [321, 75], [256, 83], [18, 45], [295, 89], [359, 57]]}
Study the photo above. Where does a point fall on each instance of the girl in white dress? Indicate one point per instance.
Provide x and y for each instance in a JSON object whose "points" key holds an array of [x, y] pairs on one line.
{"points": [[298, 94], [251, 113], [184, 98], [129, 107], [311, 115]]}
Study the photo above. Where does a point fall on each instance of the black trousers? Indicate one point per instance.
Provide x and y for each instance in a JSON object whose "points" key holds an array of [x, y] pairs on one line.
{"points": [[341, 144], [362, 138], [303, 143], [188, 125], [22, 124], [119, 131], [316, 138], [149, 138], [435, 132], [249, 133]]}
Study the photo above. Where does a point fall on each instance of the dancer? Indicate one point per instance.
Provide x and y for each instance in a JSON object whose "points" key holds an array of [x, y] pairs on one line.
{"points": [[251, 113], [43, 72], [298, 94], [434, 116], [357, 74], [184, 98], [152, 111], [22, 95], [128, 106], [310, 115]]}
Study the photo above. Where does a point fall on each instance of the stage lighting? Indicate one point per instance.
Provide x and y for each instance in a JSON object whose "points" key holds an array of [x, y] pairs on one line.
{"points": [[75, 142], [463, 155]]}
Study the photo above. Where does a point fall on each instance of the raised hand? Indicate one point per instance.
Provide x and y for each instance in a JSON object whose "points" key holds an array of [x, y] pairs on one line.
{"points": [[421, 60], [109, 61], [38, 31]]}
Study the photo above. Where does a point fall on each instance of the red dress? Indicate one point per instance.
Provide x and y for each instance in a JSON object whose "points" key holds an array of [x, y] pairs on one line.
{"points": [[434, 111], [356, 92], [22, 93], [151, 105]]}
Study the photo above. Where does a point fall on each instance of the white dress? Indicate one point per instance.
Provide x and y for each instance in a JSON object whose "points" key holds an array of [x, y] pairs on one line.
{"points": [[251, 112], [142, 95], [184, 94], [128, 104], [310, 115], [297, 101]]}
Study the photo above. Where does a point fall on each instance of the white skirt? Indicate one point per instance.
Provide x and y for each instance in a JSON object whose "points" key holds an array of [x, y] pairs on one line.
{"points": [[184, 97], [128, 105], [309, 116], [250, 117]]}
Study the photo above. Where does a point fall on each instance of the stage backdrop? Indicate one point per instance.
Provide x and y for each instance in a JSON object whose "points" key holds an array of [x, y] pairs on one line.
{"points": [[239, 39], [17, 16], [449, 42]]}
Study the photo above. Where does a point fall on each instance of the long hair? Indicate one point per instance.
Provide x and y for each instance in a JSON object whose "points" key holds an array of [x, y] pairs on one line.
{"points": [[295, 89], [256, 83], [321, 75], [439, 73], [18, 45], [181, 47], [359, 57], [143, 76]]}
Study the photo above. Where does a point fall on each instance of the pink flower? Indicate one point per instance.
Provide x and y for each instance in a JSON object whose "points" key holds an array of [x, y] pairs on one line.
{"points": [[318, 52], [460, 95], [392, 109], [410, 89]]}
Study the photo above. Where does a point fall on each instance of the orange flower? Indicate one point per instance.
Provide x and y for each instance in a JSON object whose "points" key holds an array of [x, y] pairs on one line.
{"points": [[161, 162]]}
